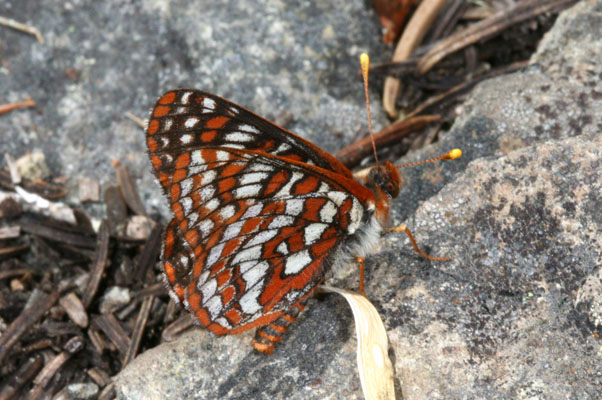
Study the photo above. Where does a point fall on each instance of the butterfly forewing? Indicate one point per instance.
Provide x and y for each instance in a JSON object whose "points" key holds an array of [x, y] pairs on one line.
{"points": [[186, 118], [257, 210]]}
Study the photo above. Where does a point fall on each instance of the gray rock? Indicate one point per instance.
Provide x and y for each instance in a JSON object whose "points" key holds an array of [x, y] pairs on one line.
{"points": [[114, 298], [33, 166], [83, 390]]}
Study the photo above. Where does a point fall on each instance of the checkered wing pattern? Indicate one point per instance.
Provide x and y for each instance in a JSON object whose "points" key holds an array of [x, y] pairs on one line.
{"points": [[257, 210]]}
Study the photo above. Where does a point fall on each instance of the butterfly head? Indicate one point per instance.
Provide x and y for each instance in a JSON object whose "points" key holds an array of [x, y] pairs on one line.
{"points": [[385, 177]]}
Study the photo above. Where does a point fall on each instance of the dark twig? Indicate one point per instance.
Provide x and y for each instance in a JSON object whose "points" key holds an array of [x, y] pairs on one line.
{"points": [[56, 231], [138, 330], [109, 325], [24, 321], [129, 191], [42, 380], [100, 263], [149, 254], [23, 375]]}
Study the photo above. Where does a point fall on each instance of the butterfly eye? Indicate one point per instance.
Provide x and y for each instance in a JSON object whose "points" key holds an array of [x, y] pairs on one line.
{"points": [[385, 177]]}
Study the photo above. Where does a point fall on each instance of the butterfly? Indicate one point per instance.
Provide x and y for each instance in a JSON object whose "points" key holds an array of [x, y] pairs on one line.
{"points": [[260, 214]]}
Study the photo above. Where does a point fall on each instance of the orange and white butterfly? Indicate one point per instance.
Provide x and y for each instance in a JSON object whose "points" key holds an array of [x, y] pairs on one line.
{"points": [[260, 214]]}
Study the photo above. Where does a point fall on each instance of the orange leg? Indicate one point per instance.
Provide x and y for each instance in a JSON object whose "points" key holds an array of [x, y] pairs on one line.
{"points": [[403, 228], [361, 261]]}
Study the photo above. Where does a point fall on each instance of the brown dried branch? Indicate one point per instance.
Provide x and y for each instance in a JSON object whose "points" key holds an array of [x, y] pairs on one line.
{"points": [[4, 108], [11, 23], [412, 36], [488, 28], [351, 155]]}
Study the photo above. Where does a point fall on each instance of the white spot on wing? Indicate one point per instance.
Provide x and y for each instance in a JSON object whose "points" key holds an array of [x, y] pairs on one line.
{"points": [[296, 262], [224, 322], [186, 186], [248, 128], [260, 167], [254, 275], [185, 139], [214, 254], [197, 158], [253, 178], [356, 214], [222, 155], [212, 204], [252, 253], [253, 211], [196, 169], [214, 305], [282, 148], [233, 230], [164, 141], [208, 289], [205, 226], [248, 301], [185, 97], [239, 137], [232, 146], [282, 248], [192, 218], [186, 203], [184, 260], [313, 233], [227, 212], [286, 189], [294, 207], [247, 191], [208, 177], [281, 221], [337, 197], [208, 105], [328, 211], [207, 192], [168, 124], [262, 237], [247, 265], [202, 280], [191, 122]]}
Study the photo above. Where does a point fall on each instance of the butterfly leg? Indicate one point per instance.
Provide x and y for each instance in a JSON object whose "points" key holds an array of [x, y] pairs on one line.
{"points": [[362, 263], [268, 336], [403, 228]]}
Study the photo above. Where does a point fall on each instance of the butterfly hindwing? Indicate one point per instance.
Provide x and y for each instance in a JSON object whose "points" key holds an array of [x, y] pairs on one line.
{"points": [[252, 233]]}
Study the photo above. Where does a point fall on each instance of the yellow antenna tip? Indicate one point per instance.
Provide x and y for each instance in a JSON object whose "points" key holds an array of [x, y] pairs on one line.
{"points": [[453, 154], [364, 61]]}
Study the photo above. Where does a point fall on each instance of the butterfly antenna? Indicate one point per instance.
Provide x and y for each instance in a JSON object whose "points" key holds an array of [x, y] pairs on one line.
{"points": [[451, 155], [365, 64]]}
